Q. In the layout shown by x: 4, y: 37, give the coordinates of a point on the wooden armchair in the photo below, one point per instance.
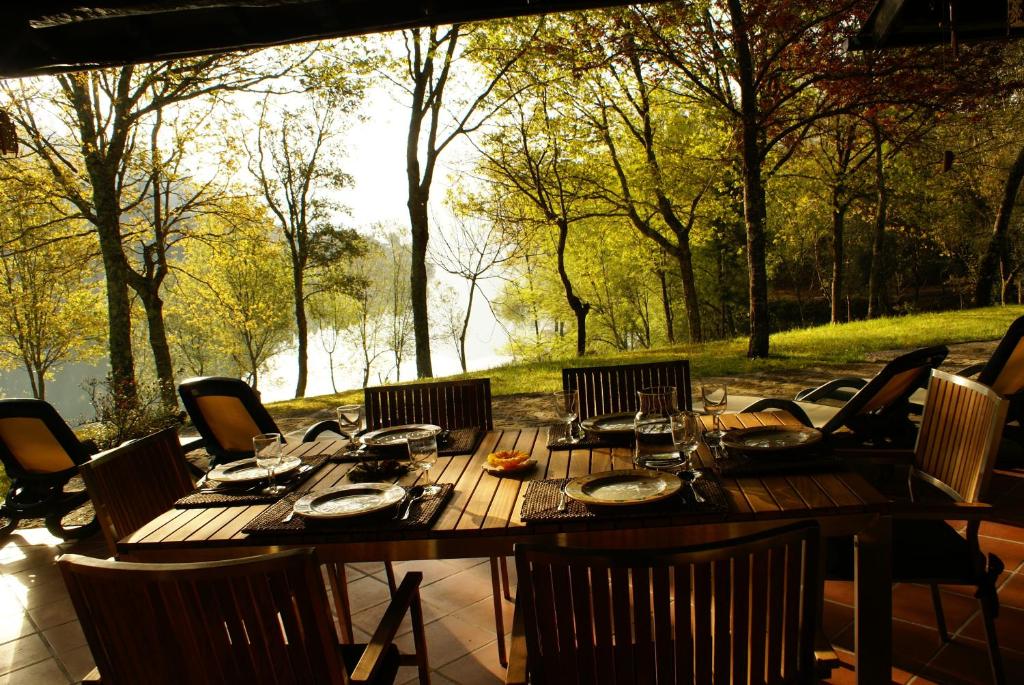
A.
x: 255, y: 620
x: 451, y: 405
x: 40, y: 454
x: 227, y: 414
x: 949, y: 471
x: 613, y: 389
x: 878, y: 412
x: 690, y: 615
x: 132, y: 484
x: 448, y: 404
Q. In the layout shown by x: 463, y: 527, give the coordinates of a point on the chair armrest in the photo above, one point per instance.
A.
x: 516, y: 673
x: 972, y: 370
x: 952, y: 511
x: 876, y: 456
x: 784, y: 405
x: 837, y: 389
x: 191, y: 444
x: 407, y: 595
x: 317, y: 429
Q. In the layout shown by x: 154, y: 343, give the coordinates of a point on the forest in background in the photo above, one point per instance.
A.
x: 681, y: 172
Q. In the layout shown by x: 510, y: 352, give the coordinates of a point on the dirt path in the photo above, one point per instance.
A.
x: 531, y: 409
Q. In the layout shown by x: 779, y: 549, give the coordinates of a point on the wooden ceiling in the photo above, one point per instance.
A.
x: 903, y: 23
x: 52, y: 36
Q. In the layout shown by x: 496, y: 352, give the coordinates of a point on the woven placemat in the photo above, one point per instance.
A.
x: 457, y: 443
x: 557, y: 434
x: 540, y: 504
x: 232, y: 498
x: 739, y: 465
x: 422, y: 515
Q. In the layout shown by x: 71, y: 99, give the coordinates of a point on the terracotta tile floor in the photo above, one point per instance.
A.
x: 42, y: 643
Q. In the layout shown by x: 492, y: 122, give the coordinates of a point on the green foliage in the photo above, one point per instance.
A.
x: 122, y: 416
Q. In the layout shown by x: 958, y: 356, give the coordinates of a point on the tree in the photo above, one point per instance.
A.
x: 430, y: 54
x: 993, y: 261
x: 296, y: 169
x: 94, y: 116
x: 52, y: 307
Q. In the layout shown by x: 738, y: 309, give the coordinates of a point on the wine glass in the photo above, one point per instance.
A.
x: 686, y: 436
x: 267, y: 448
x: 423, y: 455
x: 715, y: 397
x: 567, y: 409
x: 350, y: 418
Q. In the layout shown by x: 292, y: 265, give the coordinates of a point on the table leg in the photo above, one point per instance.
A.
x: 873, y: 611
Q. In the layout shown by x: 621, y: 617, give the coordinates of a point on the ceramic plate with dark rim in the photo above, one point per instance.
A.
x: 610, y: 424
x: 769, y: 439
x: 623, y: 488
x: 393, y: 436
x: 247, y: 470
x: 352, y: 499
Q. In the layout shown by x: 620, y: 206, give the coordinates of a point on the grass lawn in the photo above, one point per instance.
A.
x: 821, y: 345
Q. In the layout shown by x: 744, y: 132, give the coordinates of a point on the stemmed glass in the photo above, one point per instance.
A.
x: 267, y: 447
x: 567, y: 408
x: 686, y: 437
x: 350, y: 418
x: 423, y: 455
x: 715, y: 397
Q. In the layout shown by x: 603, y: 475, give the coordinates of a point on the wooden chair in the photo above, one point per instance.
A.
x: 451, y: 405
x: 949, y: 471
x: 707, y: 613
x: 1004, y: 371
x: 448, y: 404
x: 878, y: 412
x: 254, y: 620
x: 613, y: 389
x: 132, y: 484
x: 227, y: 414
x: 40, y: 454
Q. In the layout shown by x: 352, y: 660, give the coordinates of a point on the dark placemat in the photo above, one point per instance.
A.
x: 738, y: 465
x: 540, y: 504
x: 423, y: 514
x: 457, y: 443
x: 241, y: 497
x: 557, y: 433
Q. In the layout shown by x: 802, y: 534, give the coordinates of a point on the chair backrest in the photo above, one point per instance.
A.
x: 448, y: 404
x: 613, y: 389
x: 959, y: 438
x: 227, y: 413
x: 688, y: 615
x: 36, y: 441
x: 886, y: 396
x: 132, y: 484
x: 255, y: 620
x: 1004, y: 371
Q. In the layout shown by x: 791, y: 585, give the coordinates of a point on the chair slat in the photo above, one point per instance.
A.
x: 449, y: 404
x: 613, y: 389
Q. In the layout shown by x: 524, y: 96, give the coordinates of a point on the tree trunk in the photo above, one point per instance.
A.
x: 685, y: 260
x: 666, y: 303
x: 838, y: 258
x: 578, y: 306
x: 754, y: 207
x: 39, y: 390
x: 876, y: 271
x: 997, y: 244
x: 418, y: 280
x: 154, y: 308
x: 465, y: 326
x: 301, y: 328
x: 119, y: 317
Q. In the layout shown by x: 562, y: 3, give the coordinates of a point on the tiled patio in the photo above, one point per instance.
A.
x: 41, y: 642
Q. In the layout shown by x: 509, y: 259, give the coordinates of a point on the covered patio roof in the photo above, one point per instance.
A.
x: 52, y: 36
x: 905, y: 23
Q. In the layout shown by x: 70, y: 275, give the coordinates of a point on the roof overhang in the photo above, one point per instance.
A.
x: 906, y: 23
x: 52, y: 36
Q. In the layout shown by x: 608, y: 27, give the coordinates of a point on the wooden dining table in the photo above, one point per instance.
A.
x: 482, y: 519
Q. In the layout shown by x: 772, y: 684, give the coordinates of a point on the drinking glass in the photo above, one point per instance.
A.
x: 567, y: 408
x: 715, y: 397
x: 686, y: 436
x: 423, y: 455
x: 267, y: 448
x: 350, y: 418
x: 652, y: 429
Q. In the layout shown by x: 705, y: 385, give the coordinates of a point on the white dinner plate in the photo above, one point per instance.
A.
x: 247, y: 470
x: 392, y: 436
x: 623, y: 488
x: 352, y: 499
